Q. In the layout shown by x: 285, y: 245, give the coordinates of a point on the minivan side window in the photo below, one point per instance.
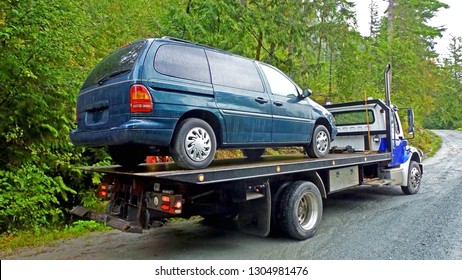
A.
x: 279, y: 83
x: 234, y: 71
x: 182, y: 62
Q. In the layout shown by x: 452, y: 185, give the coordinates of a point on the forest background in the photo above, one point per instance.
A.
x: 48, y: 47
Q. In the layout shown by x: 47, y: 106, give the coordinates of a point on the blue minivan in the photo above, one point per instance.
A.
x: 172, y: 97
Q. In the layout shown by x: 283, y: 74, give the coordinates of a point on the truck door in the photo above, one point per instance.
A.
x: 292, y: 116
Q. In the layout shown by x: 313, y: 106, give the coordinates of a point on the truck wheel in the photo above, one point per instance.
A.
x: 253, y: 154
x: 300, y: 210
x: 320, y: 143
x: 413, y: 179
x: 194, y: 144
x: 128, y: 155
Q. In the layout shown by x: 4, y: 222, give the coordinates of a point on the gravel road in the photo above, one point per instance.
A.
x: 361, y: 224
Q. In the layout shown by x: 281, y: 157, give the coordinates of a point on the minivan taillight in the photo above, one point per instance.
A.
x: 140, y: 99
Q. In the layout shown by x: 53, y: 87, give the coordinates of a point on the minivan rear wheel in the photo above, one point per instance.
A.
x: 128, y: 155
x: 194, y: 144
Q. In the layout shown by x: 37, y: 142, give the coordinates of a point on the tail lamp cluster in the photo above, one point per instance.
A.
x: 165, y: 201
x: 169, y: 203
x: 105, y: 191
x: 140, y: 99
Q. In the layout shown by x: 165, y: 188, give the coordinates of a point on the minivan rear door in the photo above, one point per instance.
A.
x: 241, y: 98
x: 103, y: 101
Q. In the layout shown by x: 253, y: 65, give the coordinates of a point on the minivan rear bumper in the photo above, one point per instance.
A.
x: 132, y: 132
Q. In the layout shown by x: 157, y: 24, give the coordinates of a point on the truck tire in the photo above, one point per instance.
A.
x: 128, y: 155
x: 300, y: 210
x: 194, y: 144
x: 413, y: 179
x: 276, y: 195
x: 253, y: 154
x: 320, y: 143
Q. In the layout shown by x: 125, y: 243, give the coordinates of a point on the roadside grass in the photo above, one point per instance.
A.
x: 12, y: 243
x: 427, y: 141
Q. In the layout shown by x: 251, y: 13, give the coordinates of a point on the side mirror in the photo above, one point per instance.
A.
x: 306, y: 93
x: 410, y: 120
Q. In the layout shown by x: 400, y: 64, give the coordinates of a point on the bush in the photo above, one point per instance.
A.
x: 30, y: 199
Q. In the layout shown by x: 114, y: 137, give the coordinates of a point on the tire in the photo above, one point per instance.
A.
x: 320, y: 143
x: 276, y: 195
x: 300, y: 210
x: 253, y: 154
x: 128, y: 155
x: 194, y: 144
x: 413, y: 179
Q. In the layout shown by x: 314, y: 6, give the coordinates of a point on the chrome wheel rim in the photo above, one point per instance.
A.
x: 415, y: 178
x: 322, y: 142
x: 198, y: 144
x: 307, y: 211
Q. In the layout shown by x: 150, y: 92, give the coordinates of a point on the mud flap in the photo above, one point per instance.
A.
x: 255, y: 214
x: 112, y: 221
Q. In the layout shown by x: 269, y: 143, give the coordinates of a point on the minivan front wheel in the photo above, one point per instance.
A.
x: 194, y: 144
x: 320, y: 143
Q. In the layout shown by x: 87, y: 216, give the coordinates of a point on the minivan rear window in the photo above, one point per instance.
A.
x: 182, y: 62
x: 120, y: 61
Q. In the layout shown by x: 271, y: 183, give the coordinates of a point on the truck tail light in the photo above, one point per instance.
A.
x: 166, y: 201
x: 105, y: 191
x: 140, y: 99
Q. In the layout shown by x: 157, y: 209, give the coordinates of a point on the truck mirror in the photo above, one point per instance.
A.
x: 410, y: 120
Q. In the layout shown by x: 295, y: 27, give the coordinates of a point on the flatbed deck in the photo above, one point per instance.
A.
x: 225, y: 170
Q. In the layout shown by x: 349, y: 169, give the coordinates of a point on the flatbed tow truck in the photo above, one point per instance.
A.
x: 274, y: 193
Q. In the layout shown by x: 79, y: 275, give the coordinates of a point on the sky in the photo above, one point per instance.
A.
x: 450, y: 18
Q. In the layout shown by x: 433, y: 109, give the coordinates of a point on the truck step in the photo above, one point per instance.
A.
x: 377, y: 182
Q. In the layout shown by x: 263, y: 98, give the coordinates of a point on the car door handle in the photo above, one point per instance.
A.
x: 277, y: 103
x: 261, y: 100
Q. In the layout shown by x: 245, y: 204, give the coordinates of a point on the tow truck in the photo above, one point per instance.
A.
x: 275, y: 193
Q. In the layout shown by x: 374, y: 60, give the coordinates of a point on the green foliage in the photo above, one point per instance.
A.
x: 82, y: 227
x: 426, y: 141
x: 30, y: 199
x: 40, y: 72
x: 448, y: 102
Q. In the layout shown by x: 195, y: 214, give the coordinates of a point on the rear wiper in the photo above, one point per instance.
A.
x: 112, y: 75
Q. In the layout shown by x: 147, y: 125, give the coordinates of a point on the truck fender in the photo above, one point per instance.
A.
x: 314, y: 178
x: 309, y: 176
x: 415, y: 156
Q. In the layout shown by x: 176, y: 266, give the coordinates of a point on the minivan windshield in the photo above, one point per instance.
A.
x: 120, y: 61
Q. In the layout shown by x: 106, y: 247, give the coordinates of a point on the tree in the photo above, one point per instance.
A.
x: 374, y: 23
x: 36, y: 109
